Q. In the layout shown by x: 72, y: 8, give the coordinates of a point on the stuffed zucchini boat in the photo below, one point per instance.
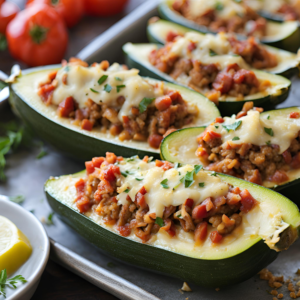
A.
x: 83, y: 110
x: 229, y: 16
x: 261, y: 148
x: 225, y: 79
x: 256, y: 55
x: 208, y: 228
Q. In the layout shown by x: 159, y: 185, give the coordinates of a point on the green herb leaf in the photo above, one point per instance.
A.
x: 268, y: 143
x: 32, y: 211
x: 2, y: 85
x: 268, y: 117
x: 102, y: 79
x: 219, y: 6
x: 177, y: 165
x: 213, y: 173
x: 236, y: 138
x: 124, y: 174
x: 212, y: 53
x: 127, y: 190
x: 198, y: 168
x: 129, y: 173
x: 17, y: 199
x: 144, y: 104
x: 49, y: 221
x: 164, y: 184
x: 3, y: 42
x: 233, y: 126
x: 42, y: 153
x: 94, y: 91
x: 107, y: 88
x: 139, y: 179
x: 119, y: 87
x: 176, y: 186
x: 217, y: 127
x: 132, y: 158
x: 201, y: 184
x: 269, y: 131
x: 188, y: 179
x: 11, y: 283
x: 118, y: 79
x: 160, y: 221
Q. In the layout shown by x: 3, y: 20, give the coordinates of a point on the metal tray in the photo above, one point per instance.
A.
x: 27, y: 176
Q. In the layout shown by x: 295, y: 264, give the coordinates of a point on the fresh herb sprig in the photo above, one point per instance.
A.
x: 11, y: 283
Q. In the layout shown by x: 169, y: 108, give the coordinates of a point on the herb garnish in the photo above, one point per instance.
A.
x: 177, y: 165
x: 3, y: 42
x: 233, y: 126
x: 132, y: 158
x: 119, y: 87
x: 164, y: 184
x: 201, y: 184
x: 17, y: 199
x: 50, y: 219
x: 102, y: 79
x: 107, y: 88
x: 188, y: 179
x: 268, y: 117
x: 217, y: 127
x: 269, y: 131
x: 212, y: 53
x: 127, y: 190
x: 213, y: 173
x: 176, y: 186
x: 219, y: 6
x: 42, y: 152
x: 197, y: 168
x: 236, y: 138
x: 144, y: 104
x: 268, y: 143
x: 11, y: 283
x: 128, y: 172
x: 139, y: 179
x: 159, y: 221
x: 118, y: 78
x: 123, y: 174
x: 94, y: 91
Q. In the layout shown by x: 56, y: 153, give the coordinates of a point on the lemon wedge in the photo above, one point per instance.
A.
x: 15, y: 248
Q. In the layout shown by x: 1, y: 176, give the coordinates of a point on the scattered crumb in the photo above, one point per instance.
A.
x: 274, y: 298
x: 291, y: 287
x: 280, y: 296
x: 274, y: 293
x: 186, y: 298
x: 180, y: 291
x: 217, y: 289
x: 277, y: 285
x: 293, y: 295
x: 298, y: 283
x: 186, y: 288
x: 298, y: 294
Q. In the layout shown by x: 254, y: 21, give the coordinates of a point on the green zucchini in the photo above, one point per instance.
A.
x: 281, y: 35
x: 181, y: 145
x: 238, y: 262
x: 137, y: 57
x: 71, y: 139
x: 288, y: 65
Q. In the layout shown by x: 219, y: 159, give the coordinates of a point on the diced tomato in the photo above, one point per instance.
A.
x: 111, y: 157
x: 66, y: 107
x: 295, y: 164
x: 216, y: 237
x: 201, y: 152
x: 124, y: 230
x: 208, y: 204
x: 210, y: 135
x: 245, y: 76
x: 171, y: 231
x: 287, y: 156
x: 247, y: 201
x: 45, y: 92
x: 145, y: 159
x: 83, y: 204
x: 219, y: 120
x: 163, y: 102
x: 125, y: 119
x: 140, y: 198
x: 279, y: 176
x: 89, y: 167
x: 191, y: 46
x: 169, y: 227
x: 97, y: 161
x: 52, y: 75
x: 167, y: 166
x: 294, y: 115
x: 233, y: 66
x: 143, y: 191
x: 110, y: 173
x: 80, y: 185
x: 189, y: 202
x: 223, y: 82
x: 87, y: 125
x: 175, y: 96
x: 159, y: 163
x: 199, y: 212
x: 200, y: 232
x: 235, y: 190
x: 171, y: 35
x: 154, y: 140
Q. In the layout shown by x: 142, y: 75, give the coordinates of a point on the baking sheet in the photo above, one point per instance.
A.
x: 26, y: 176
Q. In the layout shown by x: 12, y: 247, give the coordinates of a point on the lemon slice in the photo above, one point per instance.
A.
x: 15, y: 248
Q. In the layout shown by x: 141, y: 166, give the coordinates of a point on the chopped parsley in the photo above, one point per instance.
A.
x: 219, y: 6
x: 94, y: 91
x: 127, y: 190
x: 201, y: 184
x: 128, y: 172
x: 11, y: 283
x: 17, y: 199
x: 102, y: 79
x: 159, y: 221
x: 236, y: 138
x: 188, y: 179
x: 179, y: 216
x: 217, y: 127
x: 50, y: 219
x: 269, y: 131
x: 213, y: 173
x: 118, y: 78
x: 107, y: 88
x: 144, y: 104
x: 268, y: 143
x: 177, y: 165
x: 42, y: 153
x: 232, y: 126
x: 132, y: 158
x: 164, y: 183
x: 268, y: 117
x: 176, y: 186
x: 119, y: 87
x: 197, y: 168
x: 212, y: 53
x: 123, y: 174
x: 139, y: 179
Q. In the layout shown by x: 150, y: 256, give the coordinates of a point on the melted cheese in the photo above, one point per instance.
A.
x: 252, y: 130
x: 230, y: 8
x: 267, y: 5
x: 157, y: 196
x: 80, y: 81
x: 204, y: 44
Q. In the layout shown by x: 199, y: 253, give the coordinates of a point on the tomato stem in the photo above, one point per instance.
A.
x: 54, y: 2
x: 38, y: 33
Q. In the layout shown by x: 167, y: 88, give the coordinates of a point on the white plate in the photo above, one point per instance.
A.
x: 33, y: 269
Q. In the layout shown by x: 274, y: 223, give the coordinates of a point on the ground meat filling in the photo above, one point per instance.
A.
x: 247, y: 161
x: 98, y: 192
x: 250, y: 23
x: 169, y: 113
x: 290, y: 12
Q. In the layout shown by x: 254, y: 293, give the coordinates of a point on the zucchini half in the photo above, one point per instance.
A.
x: 137, y: 57
x: 237, y: 262
x: 288, y: 66
x: 71, y: 139
x: 181, y: 145
x: 281, y: 35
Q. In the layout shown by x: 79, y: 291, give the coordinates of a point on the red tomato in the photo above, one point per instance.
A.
x: 8, y: 11
x: 71, y: 11
x: 104, y: 8
x: 37, y: 36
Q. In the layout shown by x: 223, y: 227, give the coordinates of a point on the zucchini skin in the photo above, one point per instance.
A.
x: 67, y: 141
x: 290, y: 43
x: 226, y: 108
x: 207, y: 273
